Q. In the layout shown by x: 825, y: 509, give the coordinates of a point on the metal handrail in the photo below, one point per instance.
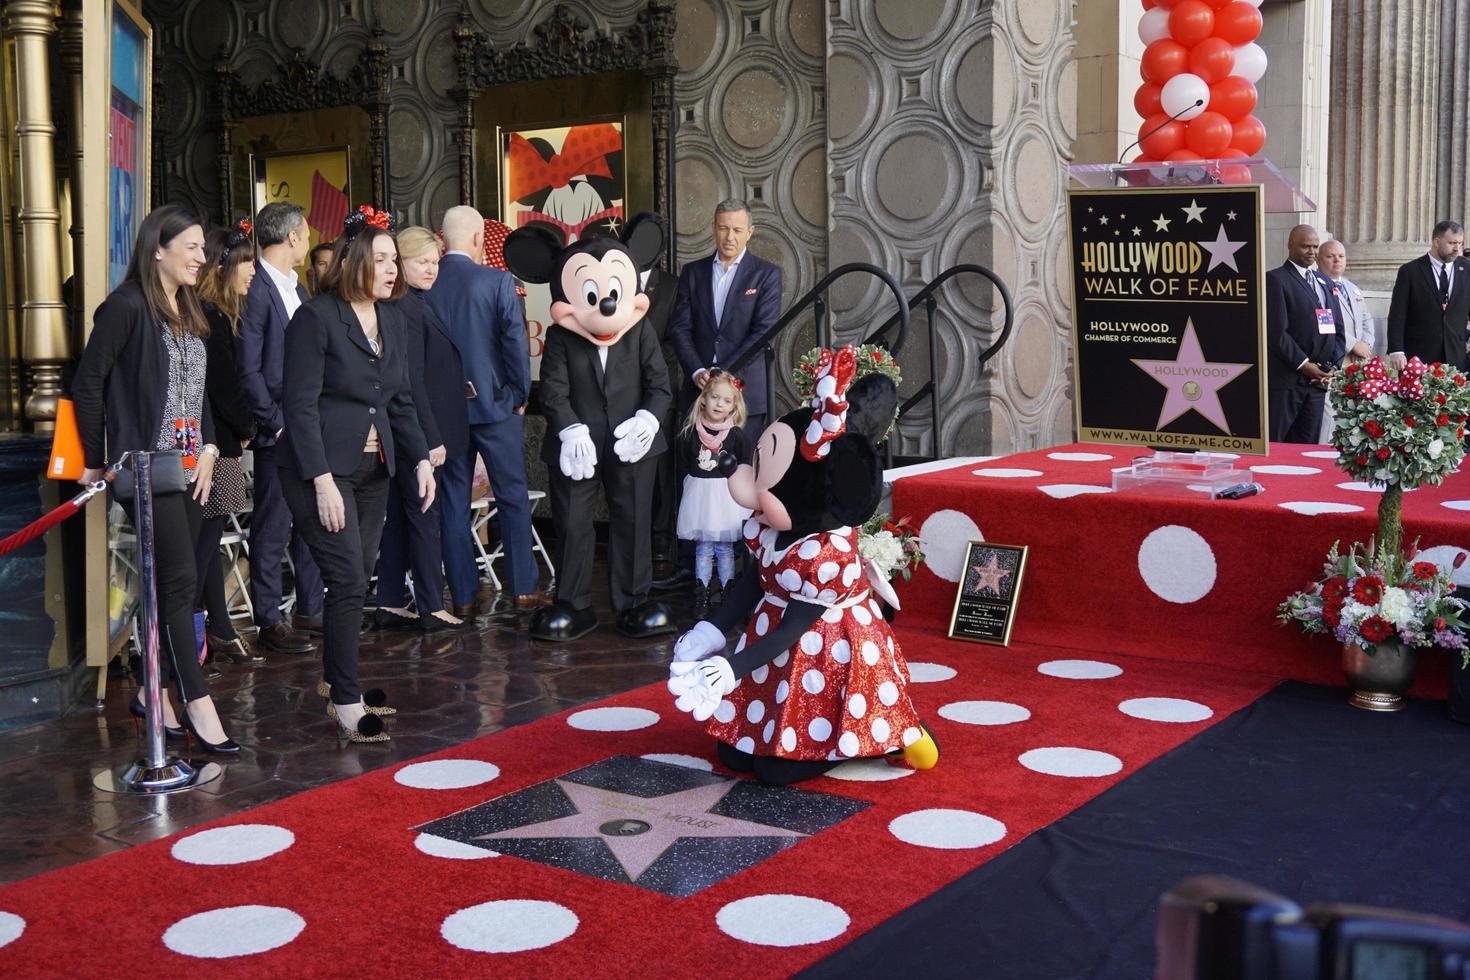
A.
x: 816, y: 298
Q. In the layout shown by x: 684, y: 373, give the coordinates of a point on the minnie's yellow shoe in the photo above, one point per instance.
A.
x: 922, y: 753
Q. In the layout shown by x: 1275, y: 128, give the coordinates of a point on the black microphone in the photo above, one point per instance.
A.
x: 1174, y: 118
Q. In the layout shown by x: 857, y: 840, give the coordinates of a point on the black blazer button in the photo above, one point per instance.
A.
x: 372, y: 411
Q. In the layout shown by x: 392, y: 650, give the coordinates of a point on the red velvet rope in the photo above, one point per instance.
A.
x: 46, y: 522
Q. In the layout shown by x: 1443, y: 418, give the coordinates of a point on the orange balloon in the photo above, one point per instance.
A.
x: 1146, y: 100
x: 1207, y: 134
x: 1159, y: 135
x: 1248, y: 135
x: 1166, y: 4
x: 1212, y: 59
x: 1217, y: 4
x: 1149, y: 4
x: 1235, y: 174
x: 1238, y: 23
x: 1232, y: 97
x: 1191, y: 21
x: 1231, y: 153
x: 1144, y: 159
x: 1180, y: 155
x: 1164, y: 59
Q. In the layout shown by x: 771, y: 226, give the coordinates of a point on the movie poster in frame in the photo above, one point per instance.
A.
x: 127, y: 182
x: 570, y: 174
x: 317, y: 180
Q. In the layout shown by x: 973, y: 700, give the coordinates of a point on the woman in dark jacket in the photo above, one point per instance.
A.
x: 228, y: 269
x: 411, y: 537
x: 349, y: 419
x: 140, y: 388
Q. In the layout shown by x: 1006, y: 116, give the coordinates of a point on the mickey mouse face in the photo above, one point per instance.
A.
x: 602, y: 297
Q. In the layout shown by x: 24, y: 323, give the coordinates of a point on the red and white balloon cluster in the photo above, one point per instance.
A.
x: 1200, y: 66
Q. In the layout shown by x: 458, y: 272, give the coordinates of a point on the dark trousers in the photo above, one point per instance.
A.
x: 270, y: 532
x: 629, y: 492
x: 1296, y: 413
x: 176, y: 519
x: 345, y: 559
x: 410, y: 541
x: 210, y: 574
x: 502, y: 445
x: 666, y: 496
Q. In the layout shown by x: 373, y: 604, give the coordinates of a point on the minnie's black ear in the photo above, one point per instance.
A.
x: 854, y: 479
x: 872, y: 404
x: 533, y: 251
x: 644, y: 238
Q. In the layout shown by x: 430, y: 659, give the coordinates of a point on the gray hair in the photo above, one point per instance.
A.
x: 731, y: 204
x: 277, y: 220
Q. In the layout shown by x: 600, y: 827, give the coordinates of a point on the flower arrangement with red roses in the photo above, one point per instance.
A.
x: 1368, y: 598
x: 892, y: 545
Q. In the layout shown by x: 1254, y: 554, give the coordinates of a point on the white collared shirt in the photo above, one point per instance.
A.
x: 455, y: 251
x: 285, y: 286
x: 721, y: 282
x: 1435, y: 264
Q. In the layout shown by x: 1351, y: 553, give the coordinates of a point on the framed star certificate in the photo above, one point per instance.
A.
x: 1169, y: 316
x: 990, y: 585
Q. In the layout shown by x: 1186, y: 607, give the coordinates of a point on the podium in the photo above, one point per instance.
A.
x: 1279, y: 192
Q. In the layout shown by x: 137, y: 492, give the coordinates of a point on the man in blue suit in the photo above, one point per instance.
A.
x: 479, y: 308
x: 724, y: 305
x: 283, y: 239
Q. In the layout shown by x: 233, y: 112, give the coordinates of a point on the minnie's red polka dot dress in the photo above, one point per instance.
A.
x: 842, y: 691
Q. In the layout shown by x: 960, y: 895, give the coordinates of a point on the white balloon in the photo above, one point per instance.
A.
x: 1153, y: 25
x: 1250, y: 62
x: 1185, y: 95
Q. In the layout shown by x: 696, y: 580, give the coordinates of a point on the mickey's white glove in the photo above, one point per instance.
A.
x: 701, y: 641
x: 578, y: 454
x: 635, y: 436
x: 699, y: 687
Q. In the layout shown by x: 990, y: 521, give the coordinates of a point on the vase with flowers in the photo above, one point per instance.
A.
x: 1383, y: 606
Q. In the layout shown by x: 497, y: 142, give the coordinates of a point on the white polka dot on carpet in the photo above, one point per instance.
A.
x: 1282, y: 470
x: 1063, y: 491
x: 237, y: 844
x: 443, y: 847
x: 1080, y: 457
x: 922, y: 673
x: 612, y: 719
x: 1178, y: 710
x: 949, y: 830
x: 446, y: 774
x: 675, y: 759
x: 984, y: 712
x: 11, y: 927
x: 1079, y: 670
x: 944, y: 537
x: 782, y: 920
x: 1321, y: 453
x: 1177, y: 564
x: 1455, y: 504
x: 239, y: 930
x: 1007, y: 473
x: 1312, y: 508
x: 868, y: 771
x: 509, y: 926
x: 1070, y: 761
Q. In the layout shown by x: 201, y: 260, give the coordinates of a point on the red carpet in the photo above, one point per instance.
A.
x: 340, y: 889
x: 1182, y: 578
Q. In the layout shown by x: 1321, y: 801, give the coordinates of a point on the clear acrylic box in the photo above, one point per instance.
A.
x: 1174, y: 474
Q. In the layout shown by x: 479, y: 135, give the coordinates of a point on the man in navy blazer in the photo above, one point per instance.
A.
x: 479, y: 308
x: 724, y: 305
x: 1304, y: 340
x: 283, y: 240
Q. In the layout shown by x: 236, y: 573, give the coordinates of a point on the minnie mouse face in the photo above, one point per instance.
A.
x: 595, y: 290
x: 754, y: 486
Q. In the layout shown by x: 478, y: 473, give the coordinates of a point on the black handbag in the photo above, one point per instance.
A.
x: 169, y: 476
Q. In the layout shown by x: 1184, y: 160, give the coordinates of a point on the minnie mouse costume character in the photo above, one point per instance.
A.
x: 604, y: 388
x: 817, y: 677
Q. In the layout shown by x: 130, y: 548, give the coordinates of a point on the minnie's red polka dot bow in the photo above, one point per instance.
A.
x: 835, y: 371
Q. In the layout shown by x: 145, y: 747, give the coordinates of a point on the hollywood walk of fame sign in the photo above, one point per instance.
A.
x: 667, y: 828
x: 985, y: 604
x: 1169, y: 335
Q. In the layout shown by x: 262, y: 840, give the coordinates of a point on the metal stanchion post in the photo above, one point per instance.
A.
x: 156, y: 773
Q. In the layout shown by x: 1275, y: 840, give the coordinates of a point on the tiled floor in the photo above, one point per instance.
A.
x: 449, y: 688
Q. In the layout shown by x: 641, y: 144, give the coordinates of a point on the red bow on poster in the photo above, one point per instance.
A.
x: 584, y: 151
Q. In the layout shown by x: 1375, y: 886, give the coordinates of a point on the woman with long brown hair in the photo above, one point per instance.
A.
x: 140, y: 388
x: 229, y: 266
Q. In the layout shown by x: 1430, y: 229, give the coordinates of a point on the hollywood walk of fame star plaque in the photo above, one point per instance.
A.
x: 1169, y: 312
x: 985, y: 603
x: 667, y: 828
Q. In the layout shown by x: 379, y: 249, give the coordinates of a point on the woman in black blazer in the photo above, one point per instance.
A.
x: 140, y: 388
x: 229, y: 267
x: 410, y: 536
x: 349, y: 417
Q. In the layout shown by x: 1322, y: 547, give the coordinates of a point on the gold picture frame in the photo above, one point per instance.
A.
x: 988, y: 592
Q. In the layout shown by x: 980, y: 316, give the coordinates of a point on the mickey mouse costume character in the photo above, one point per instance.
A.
x: 817, y: 677
x: 604, y: 389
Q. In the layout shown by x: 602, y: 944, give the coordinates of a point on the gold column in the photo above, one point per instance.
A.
x: 72, y: 49
x: 44, y: 343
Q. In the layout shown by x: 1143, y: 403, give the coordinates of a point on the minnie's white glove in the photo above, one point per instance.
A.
x: 635, y: 436
x: 701, y: 641
x: 578, y: 454
x: 699, y: 687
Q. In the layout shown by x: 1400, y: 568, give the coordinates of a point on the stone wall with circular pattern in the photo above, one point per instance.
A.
x: 948, y: 133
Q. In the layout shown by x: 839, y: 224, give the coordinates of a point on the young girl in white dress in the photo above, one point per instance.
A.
x: 708, y: 515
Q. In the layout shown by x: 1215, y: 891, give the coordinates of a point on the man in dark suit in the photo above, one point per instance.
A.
x: 479, y: 308
x: 661, y: 289
x: 1431, y: 302
x: 283, y: 240
x: 725, y: 304
x: 1305, y: 339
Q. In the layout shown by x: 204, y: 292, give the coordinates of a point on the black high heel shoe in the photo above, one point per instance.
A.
x: 228, y: 747
x: 140, y: 714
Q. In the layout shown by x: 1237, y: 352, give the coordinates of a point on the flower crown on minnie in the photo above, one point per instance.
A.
x: 366, y: 216
x: 239, y: 235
